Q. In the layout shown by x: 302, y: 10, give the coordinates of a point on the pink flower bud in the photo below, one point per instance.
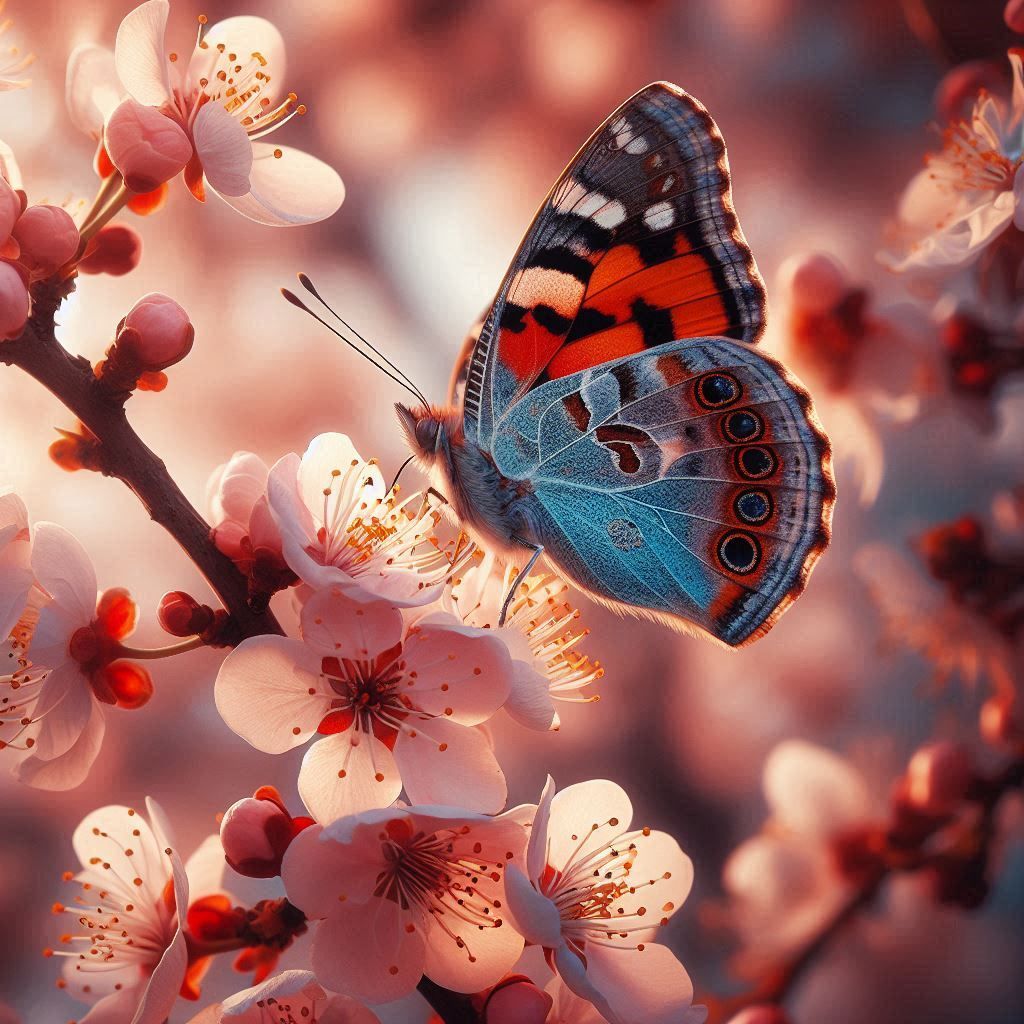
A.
x: 116, y: 249
x: 816, y: 282
x: 10, y: 209
x: 13, y: 302
x: 1000, y: 722
x: 146, y: 146
x: 938, y: 777
x: 257, y: 831
x: 760, y: 1015
x: 180, y: 614
x: 48, y: 239
x: 156, y: 333
x: 518, y: 1002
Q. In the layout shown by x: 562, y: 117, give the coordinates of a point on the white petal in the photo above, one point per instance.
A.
x: 445, y: 761
x: 529, y: 700
x: 577, y: 809
x: 335, y: 623
x: 140, y: 55
x: 242, y: 35
x: 648, y: 985
x: 531, y: 913
x: 71, y: 768
x: 91, y: 88
x: 537, y: 850
x: 15, y: 561
x: 262, y: 693
x: 206, y: 869
x: 116, y: 1008
x: 370, y: 776
x: 326, y: 455
x: 64, y: 570
x: 301, y: 988
x: 65, y: 706
x: 224, y: 150
x: 292, y: 189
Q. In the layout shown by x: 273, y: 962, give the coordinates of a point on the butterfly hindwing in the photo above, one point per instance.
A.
x: 691, y: 481
x: 636, y: 246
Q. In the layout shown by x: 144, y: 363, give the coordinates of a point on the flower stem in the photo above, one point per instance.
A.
x: 152, y: 653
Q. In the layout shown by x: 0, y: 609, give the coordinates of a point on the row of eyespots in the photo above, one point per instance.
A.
x: 739, y: 552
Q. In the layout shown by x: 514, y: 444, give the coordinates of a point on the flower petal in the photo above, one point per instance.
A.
x: 64, y: 570
x: 243, y: 35
x: 139, y: 53
x: 648, y: 985
x: 529, y: 700
x: 598, y: 809
x: 116, y: 1008
x: 350, y: 626
x: 263, y: 693
x: 70, y: 769
x: 294, y: 188
x: 531, y: 913
x: 443, y: 759
x: 461, y: 672
x: 537, y: 848
x: 91, y: 88
x: 365, y: 950
x: 65, y: 706
x: 348, y: 773
x: 15, y: 561
x: 224, y: 150
x: 301, y: 987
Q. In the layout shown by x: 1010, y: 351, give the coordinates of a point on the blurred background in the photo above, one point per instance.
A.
x: 449, y: 120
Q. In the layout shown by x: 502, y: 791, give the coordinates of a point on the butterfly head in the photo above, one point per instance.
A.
x: 427, y: 429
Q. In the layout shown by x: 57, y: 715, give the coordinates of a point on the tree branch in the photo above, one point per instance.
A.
x: 451, y: 1007
x: 70, y: 378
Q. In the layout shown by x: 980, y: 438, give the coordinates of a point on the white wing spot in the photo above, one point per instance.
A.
x: 637, y: 146
x: 660, y: 216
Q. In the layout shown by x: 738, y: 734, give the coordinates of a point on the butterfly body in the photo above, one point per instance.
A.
x: 615, y: 410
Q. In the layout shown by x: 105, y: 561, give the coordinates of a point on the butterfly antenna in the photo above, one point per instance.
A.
x: 296, y: 301
x: 311, y: 288
x: 401, y: 470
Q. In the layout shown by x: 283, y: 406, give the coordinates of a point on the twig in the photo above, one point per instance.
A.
x: 70, y: 378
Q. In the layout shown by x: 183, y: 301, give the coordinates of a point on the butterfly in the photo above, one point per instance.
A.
x: 613, y: 412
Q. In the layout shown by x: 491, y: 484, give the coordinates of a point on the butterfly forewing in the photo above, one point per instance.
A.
x: 637, y: 245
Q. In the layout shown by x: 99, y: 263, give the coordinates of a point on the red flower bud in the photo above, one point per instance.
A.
x: 48, y: 239
x: 517, y: 1001
x: 116, y: 249
x: 1001, y: 722
x: 938, y: 777
x: 180, y: 614
x: 146, y: 146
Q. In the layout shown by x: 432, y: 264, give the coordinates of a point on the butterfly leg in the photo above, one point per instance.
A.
x: 538, y: 550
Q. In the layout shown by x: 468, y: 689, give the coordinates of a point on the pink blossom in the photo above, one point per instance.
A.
x: 76, y: 638
x: 237, y: 497
x: 340, y: 526
x: 938, y: 777
x: 403, y: 892
x: 145, y: 146
x: 126, y: 952
x: 92, y: 89
x: 47, y: 237
x: 225, y: 98
x: 295, y: 993
x: 541, y: 634
x: 256, y: 833
x: 393, y: 706
x: 785, y: 882
x: 581, y: 897
x: 569, y: 1008
x: 969, y: 193
x: 518, y: 1002
x: 115, y: 249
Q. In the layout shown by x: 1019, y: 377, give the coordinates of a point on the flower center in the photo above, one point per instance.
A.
x: 19, y: 687
x: 368, y: 695
x: 426, y: 872
x: 970, y: 161
x: 239, y: 82
x: 594, y: 890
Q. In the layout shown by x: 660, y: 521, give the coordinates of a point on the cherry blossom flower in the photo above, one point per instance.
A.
x: 402, y: 892
x: 125, y: 949
x: 569, y: 1008
x: 78, y: 639
x: 393, y: 705
x: 540, y: 632
x: 13, y: 62
x: 290, y: 996
x: 969, y: 192
x: 788, y: 880
x: 15, y: 561
x: 340, y: 526
x: 226, y: 97
x: 587, y: 888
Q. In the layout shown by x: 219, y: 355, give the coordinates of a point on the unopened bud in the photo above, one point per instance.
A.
x: 257, y: 831
x: 10, y: 209
x: 48, y: 239
x: 146, y: 146
x: 816, y: 282
x: 1013, y: 15
x: 13, y: 303
x: 180, y: 614
x: 115, y: 249
x: 939, y: 776
x: 517, y: 1001
x: 1000, y: 721
x: 155, y: 334
x: 129, y: 684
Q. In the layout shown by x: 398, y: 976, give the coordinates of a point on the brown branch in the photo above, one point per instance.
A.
x: 70, y: 379
x: 451, y: 1007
